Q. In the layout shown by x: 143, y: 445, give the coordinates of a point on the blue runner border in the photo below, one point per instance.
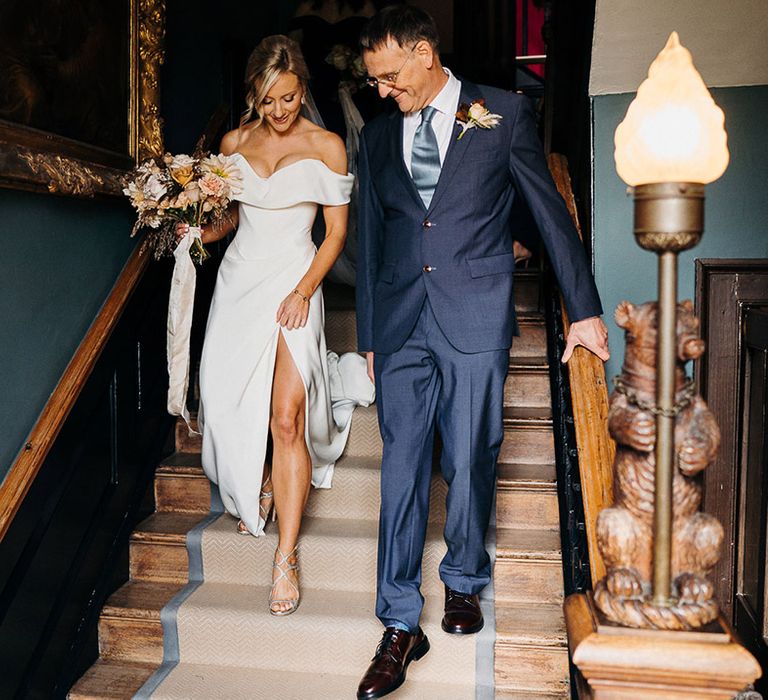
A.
x: 169, y: 613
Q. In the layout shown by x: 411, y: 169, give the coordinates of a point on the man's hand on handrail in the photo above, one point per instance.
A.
x: 592, y: 334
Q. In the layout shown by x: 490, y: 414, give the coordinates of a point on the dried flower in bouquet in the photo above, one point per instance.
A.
x: 195, y: 190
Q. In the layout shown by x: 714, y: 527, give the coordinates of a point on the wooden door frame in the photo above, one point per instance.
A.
x: 725, y: 289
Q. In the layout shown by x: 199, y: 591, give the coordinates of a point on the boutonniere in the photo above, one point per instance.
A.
x: 476, y: 114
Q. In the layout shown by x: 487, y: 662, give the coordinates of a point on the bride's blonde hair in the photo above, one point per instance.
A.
x: 273, y: 56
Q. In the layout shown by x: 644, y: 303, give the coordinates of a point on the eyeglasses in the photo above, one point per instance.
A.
x: 390, y: 79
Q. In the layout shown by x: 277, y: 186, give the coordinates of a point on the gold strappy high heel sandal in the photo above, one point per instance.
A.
x: 266, y: 506
x: 284, y: 566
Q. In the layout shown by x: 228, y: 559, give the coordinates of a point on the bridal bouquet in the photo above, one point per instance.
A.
x: 195, y: 190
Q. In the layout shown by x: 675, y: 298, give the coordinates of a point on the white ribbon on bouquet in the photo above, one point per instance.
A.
x: 180, y: 306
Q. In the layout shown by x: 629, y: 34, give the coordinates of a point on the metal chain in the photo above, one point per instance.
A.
x: 687, y: 394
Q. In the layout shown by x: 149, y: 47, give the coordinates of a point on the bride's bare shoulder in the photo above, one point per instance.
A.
x: 238, y: 138
x: 331, y: 149
x: 230, y: 141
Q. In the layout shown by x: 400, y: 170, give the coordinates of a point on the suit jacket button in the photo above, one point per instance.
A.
x: 427, y: 223
x: 428, y: 268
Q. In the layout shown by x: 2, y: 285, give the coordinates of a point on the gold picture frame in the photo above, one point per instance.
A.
x: 33, y: 159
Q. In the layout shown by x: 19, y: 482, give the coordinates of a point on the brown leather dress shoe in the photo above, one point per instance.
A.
x: 462, y: 613
x: 387, y: 670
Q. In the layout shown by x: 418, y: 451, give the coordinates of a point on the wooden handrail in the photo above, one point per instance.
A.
x: 589, y: 398
x: 41, y: 439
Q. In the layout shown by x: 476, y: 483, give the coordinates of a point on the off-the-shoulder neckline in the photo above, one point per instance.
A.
x: 285, y: 167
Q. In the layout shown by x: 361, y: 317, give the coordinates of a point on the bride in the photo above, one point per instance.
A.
x: 264, y: 367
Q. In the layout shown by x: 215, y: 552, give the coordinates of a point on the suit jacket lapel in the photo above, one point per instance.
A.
x: 456, y: 148
x: 396, y: 150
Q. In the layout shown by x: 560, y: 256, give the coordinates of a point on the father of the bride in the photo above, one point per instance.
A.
x: 435, y: 312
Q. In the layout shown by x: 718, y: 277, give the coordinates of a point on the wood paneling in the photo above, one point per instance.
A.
x: 92, y: 458
x: 27, y: 464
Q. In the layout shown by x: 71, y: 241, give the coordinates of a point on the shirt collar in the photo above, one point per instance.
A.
x: 447, y: 100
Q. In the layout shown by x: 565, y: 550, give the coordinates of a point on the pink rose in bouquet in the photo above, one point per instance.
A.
x: 193, y: 189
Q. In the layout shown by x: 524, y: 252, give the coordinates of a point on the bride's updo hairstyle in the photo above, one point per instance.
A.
x: 273, y: 56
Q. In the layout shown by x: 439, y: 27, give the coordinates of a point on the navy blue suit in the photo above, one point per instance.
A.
x: 435, y: 303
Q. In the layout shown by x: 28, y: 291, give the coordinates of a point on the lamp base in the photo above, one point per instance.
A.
x: 669, y: 216
x: 617, y: 663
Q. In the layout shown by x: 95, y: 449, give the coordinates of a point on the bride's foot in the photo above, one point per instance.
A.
x: 285, y: 596
x: 267, y: 501
x: 242, y: 529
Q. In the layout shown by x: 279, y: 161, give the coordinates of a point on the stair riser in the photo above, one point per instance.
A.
x: 364, y: 438
x: 131, y: 639
x: 161, y: 562
x: 542, y: 669
x: 192, y: 494
x: 526, y: 580
x: 529, y: 389
x: 340, y: 331
x: 187, y: 494
x: 327, y: 563
x: 262, y: 641
x: 527, y: 508
x: 527, y: 446
x: 532, y: 341
x: 365, y: 505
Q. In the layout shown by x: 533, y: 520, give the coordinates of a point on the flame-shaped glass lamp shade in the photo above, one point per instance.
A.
x: 673, y: 130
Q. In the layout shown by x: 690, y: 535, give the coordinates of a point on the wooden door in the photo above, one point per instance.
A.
x: 726, y: 290
x: 751, y: 591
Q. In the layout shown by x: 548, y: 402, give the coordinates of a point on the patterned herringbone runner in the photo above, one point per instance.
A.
x: 229, y: 646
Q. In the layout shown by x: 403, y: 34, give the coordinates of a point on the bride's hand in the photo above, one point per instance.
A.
x: 180, y: 231
x: 293, y: 311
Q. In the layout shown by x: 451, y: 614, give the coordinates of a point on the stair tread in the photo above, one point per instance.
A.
x: 178, y: 462
x: 539, y: 476
x: 167, y: 526
x: 528, y: 415
x: 528, y: 363
x: 530, y: 695
x: 110, y: 679
x: 189, y: 464
x: 140, y: 599
x: 541, y: 624
x: 244, y: 683
x: 524, y: 543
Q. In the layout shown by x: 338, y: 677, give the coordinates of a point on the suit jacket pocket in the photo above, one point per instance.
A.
x: 491, y: 265
x: 386, y: 273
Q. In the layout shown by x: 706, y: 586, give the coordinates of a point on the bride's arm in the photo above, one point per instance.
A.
x: 294, y: 310
x: 227, y: 223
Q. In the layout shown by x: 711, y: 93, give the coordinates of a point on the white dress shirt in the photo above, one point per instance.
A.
x: 446, y: 104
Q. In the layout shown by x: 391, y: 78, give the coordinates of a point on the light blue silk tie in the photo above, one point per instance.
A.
x: 425, y: 159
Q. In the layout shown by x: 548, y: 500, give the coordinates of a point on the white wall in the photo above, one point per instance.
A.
x: 728, y: 40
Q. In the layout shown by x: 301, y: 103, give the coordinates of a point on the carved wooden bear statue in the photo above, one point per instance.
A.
x: 625, y: 531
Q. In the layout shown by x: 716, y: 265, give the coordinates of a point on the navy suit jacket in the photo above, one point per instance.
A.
x: 458, y: 253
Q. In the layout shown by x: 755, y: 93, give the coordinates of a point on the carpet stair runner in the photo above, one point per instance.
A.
x: 217, y: 637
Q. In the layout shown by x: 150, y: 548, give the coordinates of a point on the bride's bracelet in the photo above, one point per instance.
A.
x: 303, y: 298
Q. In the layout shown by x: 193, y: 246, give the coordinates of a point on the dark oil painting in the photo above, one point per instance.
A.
x: 65, y: 68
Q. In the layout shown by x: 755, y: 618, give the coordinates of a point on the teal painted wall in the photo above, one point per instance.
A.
x: 59, y: 259
x: 736, y: 210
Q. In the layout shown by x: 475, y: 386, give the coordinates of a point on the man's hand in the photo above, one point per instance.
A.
x: 592, y: 334
x: 369, y: 361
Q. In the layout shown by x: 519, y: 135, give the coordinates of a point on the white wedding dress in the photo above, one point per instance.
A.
x: 269, y: 254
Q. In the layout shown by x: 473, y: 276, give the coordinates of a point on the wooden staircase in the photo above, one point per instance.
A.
x: 531, y: 658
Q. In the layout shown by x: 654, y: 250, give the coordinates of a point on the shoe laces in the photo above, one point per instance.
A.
x: 466, y: 598
x: 388, y: 645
